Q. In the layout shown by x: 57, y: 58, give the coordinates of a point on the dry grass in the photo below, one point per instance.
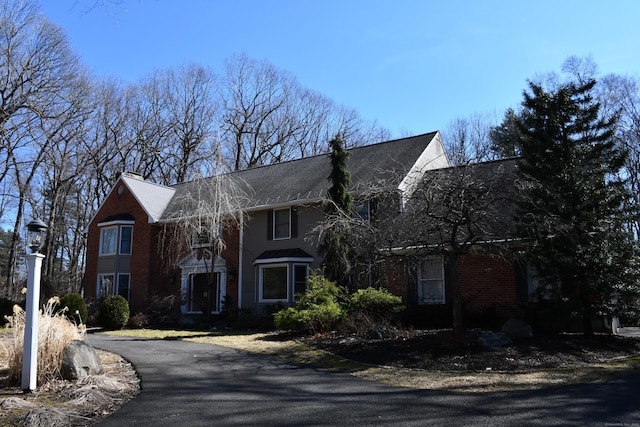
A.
x: 55, y: 332
x: 64, y: 403
x: 56, y: 402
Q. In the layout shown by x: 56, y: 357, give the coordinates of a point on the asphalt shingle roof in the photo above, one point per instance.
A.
x: 381, y: 165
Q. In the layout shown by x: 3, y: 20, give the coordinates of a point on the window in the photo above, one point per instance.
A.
x: 365, y: 210
x: 281, y: 224
x: 204, y: 237
x: 108, y: 238
x: 116, y: 238
x: 124, y: 285
x: 300, y: 273
x: 126, y: 232
x: 274, y: 282
x: 106, y: 285
x: 542, y: 287
x: 431, y: 281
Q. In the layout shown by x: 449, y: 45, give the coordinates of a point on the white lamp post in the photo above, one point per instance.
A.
x: 37, y: 230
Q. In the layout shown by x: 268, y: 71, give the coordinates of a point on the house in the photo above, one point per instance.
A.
x: 267, y: 258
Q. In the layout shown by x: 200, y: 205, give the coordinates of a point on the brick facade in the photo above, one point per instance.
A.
x: 485, y: 281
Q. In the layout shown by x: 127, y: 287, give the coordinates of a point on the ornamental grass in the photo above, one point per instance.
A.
x: 55, y: 332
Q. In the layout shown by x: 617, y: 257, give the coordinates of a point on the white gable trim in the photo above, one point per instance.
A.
x: 433, y: 157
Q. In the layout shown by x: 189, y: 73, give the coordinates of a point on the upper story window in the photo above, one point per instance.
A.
x: 108, y: 238
x: 116, y: 238
x: 126, y: 234
x: 205, y: 237
x: 282, y: 224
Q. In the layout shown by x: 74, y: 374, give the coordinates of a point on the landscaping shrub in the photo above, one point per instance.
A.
x: 317, y: 310
x: 139, y: 321
x: 379, y: 305
x: 6, y: 307
x: 114, y: 312
x: 55, y: 332
x: 75, y: 308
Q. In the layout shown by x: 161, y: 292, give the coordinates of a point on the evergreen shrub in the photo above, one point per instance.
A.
x: 317, y: 310
x: 378, y: 304
x: 114, y: 312
x: 76, y: 308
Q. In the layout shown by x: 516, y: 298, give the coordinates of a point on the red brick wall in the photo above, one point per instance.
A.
x: 144, y: 239
x: 395, y: 278
x: 486, y: 281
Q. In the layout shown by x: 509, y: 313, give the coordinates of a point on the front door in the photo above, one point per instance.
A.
x: 204, y: 293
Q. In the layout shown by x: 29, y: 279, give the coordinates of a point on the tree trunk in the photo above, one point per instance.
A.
x: 587, y: 311
x: 454, y: 286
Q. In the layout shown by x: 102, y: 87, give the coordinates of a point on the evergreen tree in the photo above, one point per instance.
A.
x: 333, y: 243
x: 504, y: 137
x: 572, y: 197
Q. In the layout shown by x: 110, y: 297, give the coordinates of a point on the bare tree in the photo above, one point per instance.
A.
x: 268, y: 117
x: 199, y: 218
x: 451, y: 212
x: 36, y: 68
x: 468, y: 140
x: 621, y: 95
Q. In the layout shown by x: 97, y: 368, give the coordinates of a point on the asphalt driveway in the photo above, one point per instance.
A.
x: 190, y: 384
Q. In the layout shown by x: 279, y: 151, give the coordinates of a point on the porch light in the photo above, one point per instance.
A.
x: 37, y: 230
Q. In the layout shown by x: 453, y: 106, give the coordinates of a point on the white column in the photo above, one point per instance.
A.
x: 32, y: 312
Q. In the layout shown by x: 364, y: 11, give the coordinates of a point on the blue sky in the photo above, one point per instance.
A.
x: 411, y: 65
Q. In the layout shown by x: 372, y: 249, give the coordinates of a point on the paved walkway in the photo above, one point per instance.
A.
x: 194, y: 384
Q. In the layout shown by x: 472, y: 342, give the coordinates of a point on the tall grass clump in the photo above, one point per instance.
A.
x: 55, y: 332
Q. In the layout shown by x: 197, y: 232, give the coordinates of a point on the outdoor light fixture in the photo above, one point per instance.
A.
x: 37, y: 230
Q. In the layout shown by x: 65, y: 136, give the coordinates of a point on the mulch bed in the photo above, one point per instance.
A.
x: 441, y: 350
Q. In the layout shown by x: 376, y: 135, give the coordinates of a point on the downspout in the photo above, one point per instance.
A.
x: 240, y: 266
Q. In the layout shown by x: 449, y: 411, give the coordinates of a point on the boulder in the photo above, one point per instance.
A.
x: 382, y: 332
x: 80, y: 360
x: 517, y: 329
x: 494, y: 339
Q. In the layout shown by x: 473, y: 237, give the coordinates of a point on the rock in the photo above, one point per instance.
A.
x: 517, y: 329
x: 383, y: 331
x: 80, y: 360
x: 494, y: 339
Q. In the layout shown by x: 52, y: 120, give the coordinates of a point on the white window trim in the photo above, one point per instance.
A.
x: 128, y: 297
x: 293, y: 278
x: 120, y: 239
x: 116, y: 242
x: 273, y: 225
x: 99, y: 284
x: 261, y: 283
x: 444, y: 286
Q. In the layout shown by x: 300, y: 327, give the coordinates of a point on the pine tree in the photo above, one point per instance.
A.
x: 333, y: 244
x: 572, y: 197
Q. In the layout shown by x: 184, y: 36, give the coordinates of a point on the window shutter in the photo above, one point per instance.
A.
x: 522, y: 286
x: 294, y: 222
x: 270, y: 225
